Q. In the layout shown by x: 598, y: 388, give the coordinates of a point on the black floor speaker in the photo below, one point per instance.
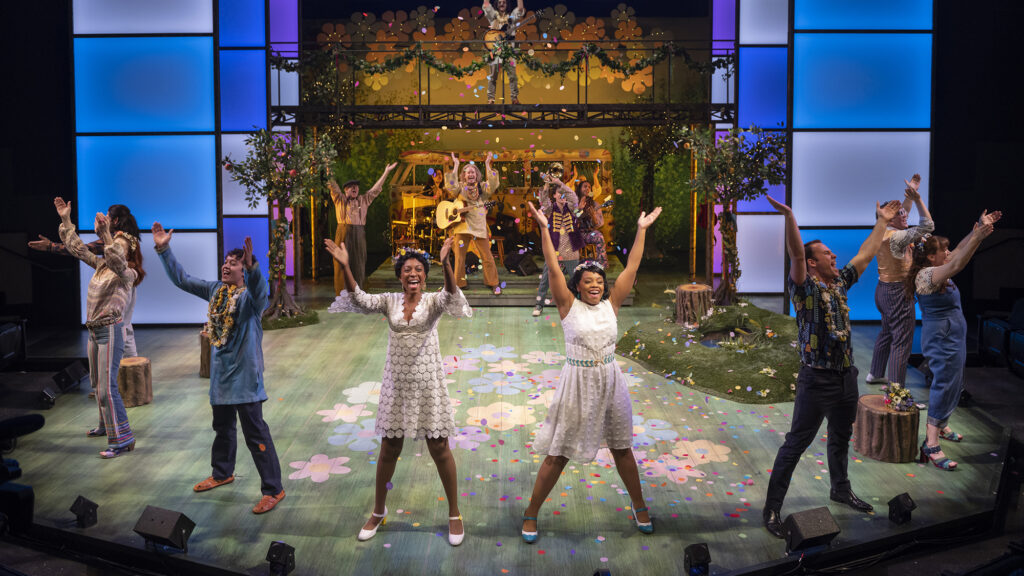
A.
x: 165, y: 527
x: 809, y: 528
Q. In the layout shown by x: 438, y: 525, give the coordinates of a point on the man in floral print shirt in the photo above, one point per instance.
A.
x: 827, y: 383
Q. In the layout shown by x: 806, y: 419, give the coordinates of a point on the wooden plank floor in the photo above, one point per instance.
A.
x: 705, y: 469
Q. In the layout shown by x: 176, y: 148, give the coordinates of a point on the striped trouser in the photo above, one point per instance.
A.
x: 597, y: 239
x: 892, y: 348
x: 106, y: 345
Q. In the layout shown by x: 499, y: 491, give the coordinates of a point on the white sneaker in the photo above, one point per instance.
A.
x: 456, y: 539
x: 536, y: 312
x: 365, y: 534
x: 872, y: 380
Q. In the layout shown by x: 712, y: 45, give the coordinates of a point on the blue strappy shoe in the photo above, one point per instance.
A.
x: 951, y: 435
x: 643, y: 527
x: 529, y: 537
x: 926, y: 455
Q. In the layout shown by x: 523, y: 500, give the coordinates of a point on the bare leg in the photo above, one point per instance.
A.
x: 390, y: 450
x: 932, y: 439
x: 547, y: 476
x: 625, y: 463
x: 445, y: 462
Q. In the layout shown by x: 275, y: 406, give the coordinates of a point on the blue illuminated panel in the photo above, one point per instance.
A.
x: 144, y: 84
x: 760, y: 242
x: 157, y: 300
x: 862, y: 15
x: 284, y: 88
x: 845, y: 244
x: 762, y: 87
x: 235, y: 231
x: 242, y: 23
x: 233, y: 193
x: 243, y: 90
x: 838, y: 176
x: 764, y: 22
x: 172, y: 179
x: 143, y: 17
x: 860, y: 81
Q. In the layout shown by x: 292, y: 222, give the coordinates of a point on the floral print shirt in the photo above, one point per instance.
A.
x: 823, y: 320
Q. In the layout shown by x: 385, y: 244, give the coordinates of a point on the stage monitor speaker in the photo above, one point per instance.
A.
x: 511, y: 262
x: 697, y: 560
x: 70, y: 376
x: 900, y: 508
x: 48, y: 397
x: 809, y: 528
x: 281, y: 557
x: 165, y: 527
x: 527, y: 267
x: 84, y: 511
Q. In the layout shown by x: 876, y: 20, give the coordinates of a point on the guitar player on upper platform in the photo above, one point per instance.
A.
x: 502, y: 19
x: 470, y: 187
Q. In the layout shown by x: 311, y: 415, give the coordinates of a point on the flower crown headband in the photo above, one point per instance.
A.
x: 411, y: 252
x: 919, y: 245
x: 587, y: 264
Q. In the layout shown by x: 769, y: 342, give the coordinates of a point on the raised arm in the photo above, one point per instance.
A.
x: 336, y: 194
x: 963, y: 253
x: 986, y: 218
x: 69, y: 237
x: 340, y: 253
x: 794, y: 243
x: 196, y: 286
x: 624, y: 283
x: 491, y: 177
x: 559, y: 289
x: 449, y: 274
x: 362, y: 302
x: 255, y: 285
x: 900, y: 239
x: 375, y: 190
x: 451, y: 179
x: 874, y: 240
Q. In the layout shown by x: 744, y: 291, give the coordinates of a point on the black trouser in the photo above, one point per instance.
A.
x: 257, y: 438
x: 820, y: 394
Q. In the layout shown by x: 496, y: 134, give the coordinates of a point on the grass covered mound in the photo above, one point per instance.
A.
x: 741, y: 353
x: 306, y: 319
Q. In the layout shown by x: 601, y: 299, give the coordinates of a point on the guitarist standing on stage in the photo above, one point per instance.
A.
x: 502, y: 19
x: 351, y: 209
x: 470, y: 187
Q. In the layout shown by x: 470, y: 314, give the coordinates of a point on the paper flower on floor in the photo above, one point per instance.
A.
x: 500, y: 384
x: 365, y: 393
x: 677, y: 470
x: 702, y: 451
x: 770, y: 372
x: 359, y: 437
x: 489, y: 352
x: 539, y: 357
x: 468, y: 437
x: 506, y: 366
x: 319, y: 468
x: 649, y: 432
x: 542, y: 398
x: 461, y: 363
x: 500, y: 416
x: 547, y: 378
x: 345, y: 413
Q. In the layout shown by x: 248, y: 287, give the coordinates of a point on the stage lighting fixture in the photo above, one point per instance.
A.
x: 697, y: 560
x: 71, y: 376
x: 84, y: 511
x: 165, y: 527
x: 281, y: 557
x: 900, y: 508
x: 49, y: 396
x: 809, y: 529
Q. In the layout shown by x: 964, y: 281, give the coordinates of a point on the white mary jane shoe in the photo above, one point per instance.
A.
x: 365, y: 534
x: 456, y: 539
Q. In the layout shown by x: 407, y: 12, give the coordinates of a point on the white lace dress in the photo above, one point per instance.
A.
x: 591, y: 402
x: 413, y: 398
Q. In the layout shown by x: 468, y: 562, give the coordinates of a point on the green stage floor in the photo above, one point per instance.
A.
x: 705, y: 464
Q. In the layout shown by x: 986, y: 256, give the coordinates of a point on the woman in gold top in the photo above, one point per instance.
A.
x: 473, y: 190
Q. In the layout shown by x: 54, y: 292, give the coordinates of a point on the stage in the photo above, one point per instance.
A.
x: 705, y: 465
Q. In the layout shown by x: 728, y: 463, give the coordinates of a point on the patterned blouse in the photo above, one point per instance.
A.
x: 111, y: 286
x: 823, y: 320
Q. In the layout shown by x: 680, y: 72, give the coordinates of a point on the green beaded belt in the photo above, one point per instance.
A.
x: 591, y: 363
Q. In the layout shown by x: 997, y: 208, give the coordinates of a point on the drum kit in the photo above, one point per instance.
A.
x: 416, y: 229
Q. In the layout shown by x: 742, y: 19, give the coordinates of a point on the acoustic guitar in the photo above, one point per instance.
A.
x: 492, y: 37
x: 449, y: 213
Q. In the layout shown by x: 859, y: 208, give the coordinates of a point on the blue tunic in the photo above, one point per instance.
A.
x: 236, y: 368
x: 944, y: 344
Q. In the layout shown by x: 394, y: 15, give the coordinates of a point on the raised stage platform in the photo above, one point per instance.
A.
x: 516, y: 291
x: 705, y: 465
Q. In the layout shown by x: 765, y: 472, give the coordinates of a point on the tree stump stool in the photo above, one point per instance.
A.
x: 135, y: 381
x: 204, y: 355
x: 883, y: 434
x: 692, y: 303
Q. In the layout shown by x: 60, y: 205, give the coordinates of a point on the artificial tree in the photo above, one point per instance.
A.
x: 286, y: 172
x: 732, y: 166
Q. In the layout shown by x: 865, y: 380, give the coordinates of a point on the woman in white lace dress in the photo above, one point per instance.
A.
x: 414, y: 400
x: 591, y: 403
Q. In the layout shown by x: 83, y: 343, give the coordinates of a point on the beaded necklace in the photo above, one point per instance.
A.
x: 223, y: 310
x: 827, y: 294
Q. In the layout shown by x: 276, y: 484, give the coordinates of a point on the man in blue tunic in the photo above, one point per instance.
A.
x: 237, y: 303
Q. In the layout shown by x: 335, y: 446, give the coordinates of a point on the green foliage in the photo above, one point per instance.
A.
x: 278, y: 323
x: 626, y: 176
x: 672, y: 193
x: 758, y: 355
x: 738, y: 165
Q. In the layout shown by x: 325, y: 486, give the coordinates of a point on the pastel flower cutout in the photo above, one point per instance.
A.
x: 319, y: 468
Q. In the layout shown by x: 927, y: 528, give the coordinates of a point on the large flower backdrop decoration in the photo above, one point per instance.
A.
x: 331, y: 32
x: 422, y: 17
x: 623, y: 13
x: 557, y: 21
x: 500, y: 416
x: 398, y: 23
x: 363, y: 27
x: 319, y: 468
